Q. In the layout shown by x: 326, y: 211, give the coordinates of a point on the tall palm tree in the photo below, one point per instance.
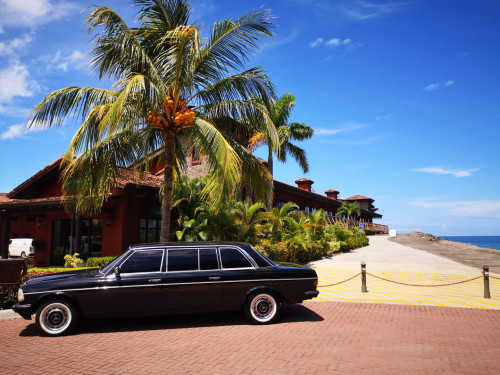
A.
x: 279, y: 111
x: 170, y: 81
x: 348, y: 209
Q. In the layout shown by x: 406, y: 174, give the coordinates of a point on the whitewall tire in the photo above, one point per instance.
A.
x: 262, y: 308
x: 57, y: 317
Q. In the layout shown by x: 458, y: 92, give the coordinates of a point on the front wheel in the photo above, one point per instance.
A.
x: 262, y: 308
x: 23, y: 255
x: 57, y: 317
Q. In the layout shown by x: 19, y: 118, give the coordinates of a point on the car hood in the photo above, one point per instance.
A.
x: 69, y: 275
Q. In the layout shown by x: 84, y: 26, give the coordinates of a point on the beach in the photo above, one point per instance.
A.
x: 462, y: 253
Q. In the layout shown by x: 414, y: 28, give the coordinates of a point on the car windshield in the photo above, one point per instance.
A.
x: 104, y: 270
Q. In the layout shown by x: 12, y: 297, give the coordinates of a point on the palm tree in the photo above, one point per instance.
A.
x: 348, y: 209
x: 170, y: 82
x: 249, y: 216
x: 279, y: 217
x: 279, y: 111
x: 316, y: 225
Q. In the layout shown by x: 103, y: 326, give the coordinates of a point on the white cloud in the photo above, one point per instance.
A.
x: 432, y: 87
x: 31, y: 13
x: 333, y: 42
x: 348, y: 126
x: 76, y: 60
x: 363, y: 10
x: 383, y: 117
x: 13, y: 131
x: 443, y: 171
x: 15, y: 81
x: 316, y: 43
x: 483, y: 208
x: 14, y: 111
x: 328, y: 131
x: 11, y: 47
x: 435, y: 86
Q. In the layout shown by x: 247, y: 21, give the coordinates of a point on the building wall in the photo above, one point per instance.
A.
x: 284, y: 197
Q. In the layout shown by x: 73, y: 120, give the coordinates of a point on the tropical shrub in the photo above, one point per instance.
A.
x: 99, y: 261
x: 277, y: 252
x: 284, y: 234
x: 72, y: 261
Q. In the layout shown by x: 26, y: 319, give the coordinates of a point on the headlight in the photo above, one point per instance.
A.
x: 20, y: 295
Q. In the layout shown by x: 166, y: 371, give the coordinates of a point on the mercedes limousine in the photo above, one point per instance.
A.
x: 158, y: 279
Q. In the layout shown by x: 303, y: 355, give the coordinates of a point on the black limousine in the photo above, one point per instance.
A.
x: 158, y: 279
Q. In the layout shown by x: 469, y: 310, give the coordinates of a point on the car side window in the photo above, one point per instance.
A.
x: 143, y: 261
x: 182, y: 260
x: 232, y: 258
x: 208, y: 259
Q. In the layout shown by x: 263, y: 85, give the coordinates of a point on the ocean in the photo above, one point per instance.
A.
x: 481, y: 241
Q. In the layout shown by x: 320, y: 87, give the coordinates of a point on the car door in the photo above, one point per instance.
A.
x: 137, y: 290
x: 192, y: 280
x: 239, y: 275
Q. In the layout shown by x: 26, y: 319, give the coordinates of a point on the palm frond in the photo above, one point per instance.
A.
x: 231, y: 43
x: 118, y: 50
x: 223, y: 161
x: 77, y: 101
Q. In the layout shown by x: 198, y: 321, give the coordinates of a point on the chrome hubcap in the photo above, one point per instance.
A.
x: 263, y: 307
x: 55, y: 318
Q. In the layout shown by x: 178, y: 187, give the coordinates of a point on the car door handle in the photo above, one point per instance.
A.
x: 154, y: 280
x: 214, y: 278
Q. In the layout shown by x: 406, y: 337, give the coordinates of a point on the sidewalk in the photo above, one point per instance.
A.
x: 404, y: 265
x: 385, y: 255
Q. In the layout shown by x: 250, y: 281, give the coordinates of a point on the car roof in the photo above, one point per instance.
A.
x: 189, y: 244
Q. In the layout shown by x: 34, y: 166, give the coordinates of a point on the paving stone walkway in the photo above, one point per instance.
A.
x: 312, y: 338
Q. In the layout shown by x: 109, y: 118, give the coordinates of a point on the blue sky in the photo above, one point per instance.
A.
x: 404, y: 97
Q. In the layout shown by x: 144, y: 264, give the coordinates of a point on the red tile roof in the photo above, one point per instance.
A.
x: 35, y: 176
x: 357, y: 198
x: 128, y: 176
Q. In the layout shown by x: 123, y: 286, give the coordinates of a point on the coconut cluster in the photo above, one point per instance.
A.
x: 182, y: 115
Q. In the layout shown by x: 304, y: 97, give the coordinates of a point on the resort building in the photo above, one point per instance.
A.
x: 131, y: 215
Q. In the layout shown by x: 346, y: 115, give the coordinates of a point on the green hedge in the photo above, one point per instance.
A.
x: 99, y: 261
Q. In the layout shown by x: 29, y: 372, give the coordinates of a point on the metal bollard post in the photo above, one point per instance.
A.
x: 363, y: 278
x: 486, y: 274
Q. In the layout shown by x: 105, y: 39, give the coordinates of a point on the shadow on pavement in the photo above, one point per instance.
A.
x: 289, y: 314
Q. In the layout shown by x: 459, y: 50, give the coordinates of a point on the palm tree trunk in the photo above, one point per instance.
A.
x: 270, y: 169
x: 168, y: 177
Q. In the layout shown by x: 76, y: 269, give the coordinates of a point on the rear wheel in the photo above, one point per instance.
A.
x: 57, y: 317
x: 262, y: 308
x: 23, y: 255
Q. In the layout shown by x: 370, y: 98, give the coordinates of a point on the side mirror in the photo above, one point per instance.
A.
x: 117, y: 272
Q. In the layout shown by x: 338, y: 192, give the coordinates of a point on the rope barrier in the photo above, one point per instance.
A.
x: 340, y: 282
x: 424, y: 285
x: 364, y: 289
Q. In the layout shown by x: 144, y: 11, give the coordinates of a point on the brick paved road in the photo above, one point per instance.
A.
x: 313, y: 338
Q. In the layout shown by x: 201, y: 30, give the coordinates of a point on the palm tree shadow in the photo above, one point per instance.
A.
x: 289, y: 314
